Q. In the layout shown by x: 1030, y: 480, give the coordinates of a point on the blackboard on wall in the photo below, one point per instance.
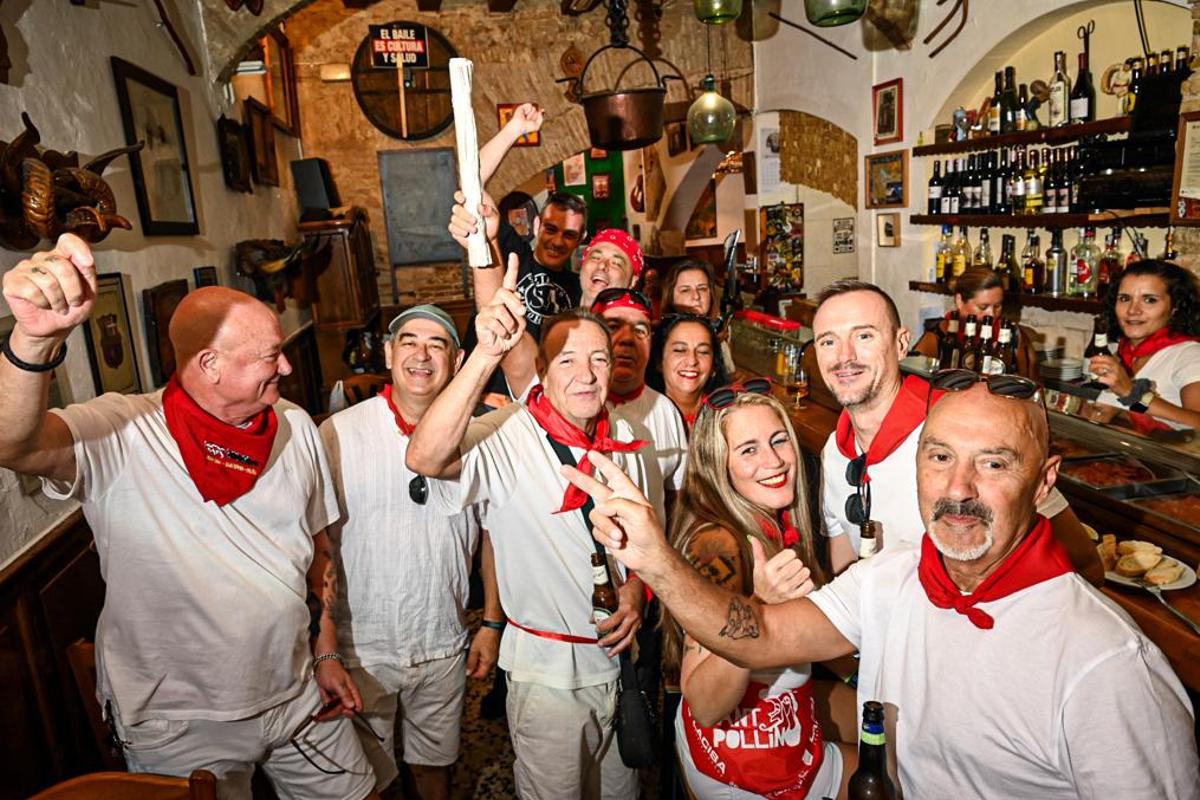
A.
x: 418, y: 190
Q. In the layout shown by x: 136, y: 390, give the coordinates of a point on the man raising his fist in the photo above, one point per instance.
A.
x: 209, y: 501
x: 560, y: 660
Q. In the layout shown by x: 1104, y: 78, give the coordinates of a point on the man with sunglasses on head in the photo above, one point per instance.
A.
x: 1005, y: 674
x: 404, y: 569
x: 560, y: 660
x: 208, y: 501
x: 867, y: 462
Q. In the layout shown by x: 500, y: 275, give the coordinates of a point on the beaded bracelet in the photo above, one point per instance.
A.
x: 334, y: 656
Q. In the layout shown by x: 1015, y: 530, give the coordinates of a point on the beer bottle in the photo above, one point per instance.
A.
x: 1011, y: 344
x: 1004, y: 354
x: 604, y: 597
x: 868, y: 539
x: 983, y: 346
x: 1098, y: 346
x: 949, y: 353
x: 969, y: 342
x: 871, y: 781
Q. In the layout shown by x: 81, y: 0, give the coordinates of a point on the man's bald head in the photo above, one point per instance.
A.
x: 211, y: 317
x: 1019, y: 422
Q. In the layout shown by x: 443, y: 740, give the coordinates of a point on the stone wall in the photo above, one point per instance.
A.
x: 816, y: 153
x: 516, y: 59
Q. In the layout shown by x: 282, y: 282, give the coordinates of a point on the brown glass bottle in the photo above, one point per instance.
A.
x: 949, y: 353
x: 604, y: 597
x: 870, y: 781
x: 970, y: 342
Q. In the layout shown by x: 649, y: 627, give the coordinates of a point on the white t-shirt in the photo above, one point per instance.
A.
x: 1168, y: 370
x: 654, y: 418
x: 1063, y: 698
x: 543, y: 559
x: 204, y: 614
x: 402, y: 592
x: 893, y: 493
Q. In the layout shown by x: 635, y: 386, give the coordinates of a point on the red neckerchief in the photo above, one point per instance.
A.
x: 1159, y: 340
x: 566, y: 433
x: 906, y: 413
x: 404, y: 425
x: 784, y: 532
x: 1038, y: 558
x: 690, y: 420
x: 622, y: 399
x: 223, y: 460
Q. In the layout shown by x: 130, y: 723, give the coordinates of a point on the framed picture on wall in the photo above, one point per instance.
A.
x: 600, y: 186
x: 887, y: 106
x: 281, y: 82
x: 234, y: 147
x: 887, y: 229
x: 262, y: 142
x: 205, y: 276
x: 575, y: 170
x: 1185, y: 192
x: 109, y: 337
x: 887, y: 179
x: 162, y: 179
x: 160, y: 303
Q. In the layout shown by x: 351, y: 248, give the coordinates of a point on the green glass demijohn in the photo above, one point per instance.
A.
x: 711, y: 117
x: 828, y: 13
x: 717, y: 12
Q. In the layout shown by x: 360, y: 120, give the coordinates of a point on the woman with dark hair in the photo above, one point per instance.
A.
x: 979, y: 291
x: 689, y: 288
x: 1156, y: 369
x: 686, y: 362
x: 742, y: 521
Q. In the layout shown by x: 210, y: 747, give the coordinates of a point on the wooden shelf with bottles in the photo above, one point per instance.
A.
x: 1140, y: 218
x: 1077, y: 304
x: 1066, y: 133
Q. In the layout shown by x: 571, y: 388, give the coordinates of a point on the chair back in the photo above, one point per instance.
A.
x: 201, y: 785
x: 82, y: 657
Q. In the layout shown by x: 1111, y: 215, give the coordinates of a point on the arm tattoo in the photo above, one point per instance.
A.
x: 714, y: 554
x: 329, y: 586
x: 315, y: 609
x: 742, y: 621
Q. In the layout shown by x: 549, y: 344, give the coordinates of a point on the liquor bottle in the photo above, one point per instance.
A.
x: 1164, y: 62
x: 1007, y: 266
x: 1097, y: 346
x: 871, y: 781
x: 1151, y: 65
x: 987, y: 165
x: 949, y: 353
x: 993, y: 115
x: 1055, y: 283
x: 1183, y: 59
x: 1032, y: 267
x: 1022, y: 121
x: 1000, y: 196
x: 1083, y: 94
x: 1050, y: 184
x: 961, y: 256
x: 1063, y: 201
x: 983, y: 345
x: 983, y: 253
x: 868, y: 539
x: 1011, y: 111
x: 1075, y: 170
x: 951, y: 189
x: 1135, y: 86
x: 1085, y: 259
x: 1016, y: 184
x: 604, y: 597
x: 1060, y: 91
x: 1033, y: 185
x: 1112, y: 264
x: 935, y: 189
x: 941, y: 255
x: 970, y: 194
x: 1169, y: 252
x: 970, y: 342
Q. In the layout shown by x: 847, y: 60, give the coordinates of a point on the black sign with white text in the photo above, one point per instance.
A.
x: 399, y: 44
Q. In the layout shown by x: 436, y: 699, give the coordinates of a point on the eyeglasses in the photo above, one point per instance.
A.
x: 858, y: 505
x: 297, y: 737
x: 723, y: 397
x: 418, y: 490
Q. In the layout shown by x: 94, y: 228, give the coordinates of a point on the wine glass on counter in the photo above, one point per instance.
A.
x: 798, y: 387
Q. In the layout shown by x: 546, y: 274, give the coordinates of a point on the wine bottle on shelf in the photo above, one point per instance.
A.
x: 993, y: 115
x: 960, y: 257
x: 1032, y: 267
x: 935, y: 189
x: 1112, y: 263
x: 951, y: 189
x: 983, y: 253
x: 1060, y: 91
x: 1022, y: 121
x: 1135, y: 86
x: 969, y: 202
x: 970, y: 342
x: 980, y: 346
x: 999, y: 181
x: 1183, y: 57
x: 1050, y: 183
x: 1083, y: 93
x: 1016, y: 183
x: 1012, y: 112
x: 1007, y: 267
x: 1033, y: 184
x: 1097, y: 346
x: 1151, y: 65
x: 1063, y: 201
x: 1164, y: 62
x: 1055, y: 283
x: 987, y: 165
x: 1075, y: 168
x: 949, y: 353
x: 1085, y: 258
x: 942, y: 255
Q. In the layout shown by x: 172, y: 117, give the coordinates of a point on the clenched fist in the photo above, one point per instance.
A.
x: 52, y: 292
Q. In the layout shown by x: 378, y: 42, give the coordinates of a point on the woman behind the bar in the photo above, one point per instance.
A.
x: 979, y: 291
x: 1156, y: 308
x: 686, y: 362
x: 689, y: 289
x: 743, y: 490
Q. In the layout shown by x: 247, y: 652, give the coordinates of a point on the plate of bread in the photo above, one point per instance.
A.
x: 1137, y: 563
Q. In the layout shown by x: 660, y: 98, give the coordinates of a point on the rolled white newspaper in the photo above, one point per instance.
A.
x: 461, y: 69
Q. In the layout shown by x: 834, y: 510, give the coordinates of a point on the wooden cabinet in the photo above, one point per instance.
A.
x: 303, y: 386
x: 347, y: 294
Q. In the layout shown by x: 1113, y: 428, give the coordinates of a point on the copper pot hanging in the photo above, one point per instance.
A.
x: 624, y: 119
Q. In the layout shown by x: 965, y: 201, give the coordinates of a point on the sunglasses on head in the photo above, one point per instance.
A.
x: 1012, y: 387
x: 723, y: 397
x: 611, y: 295
x: 675, y: 318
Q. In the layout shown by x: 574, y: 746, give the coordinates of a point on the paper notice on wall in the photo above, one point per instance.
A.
x: 843, y: 235
x: 1189, y: 171
x: 768, y: 160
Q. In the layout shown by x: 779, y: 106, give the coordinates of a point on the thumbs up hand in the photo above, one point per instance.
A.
x: 782, y: 577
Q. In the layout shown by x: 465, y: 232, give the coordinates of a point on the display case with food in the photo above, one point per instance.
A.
x: 1101, y: 472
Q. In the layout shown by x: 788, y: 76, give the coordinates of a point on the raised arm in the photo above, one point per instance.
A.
x: 433, y: 449
x: 49, y: 294
x: 527, y: 119
x: 738, y: 629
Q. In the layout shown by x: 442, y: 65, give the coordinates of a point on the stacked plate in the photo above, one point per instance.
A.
x: 1062, y: 369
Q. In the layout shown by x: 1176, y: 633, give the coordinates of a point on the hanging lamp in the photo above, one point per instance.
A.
x: 711, y: 117
x: 717, y: 12
x: 829, y: 13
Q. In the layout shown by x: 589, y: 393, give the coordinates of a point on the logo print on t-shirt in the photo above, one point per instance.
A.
x: 542, y: 297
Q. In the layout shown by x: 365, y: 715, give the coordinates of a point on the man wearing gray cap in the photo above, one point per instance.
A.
x: 403, y: 587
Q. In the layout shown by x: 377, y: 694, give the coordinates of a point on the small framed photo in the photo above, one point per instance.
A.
x: 887, y: 105
x: 160, y: 303
x: 234, y: 146
x: 600, y: 186
x: 598, y: 153
x: 1185, y: 192
x: 109, y: 337
x: 505, y: 111
x: 575, y: 170
x: 262, y: 140
x: 887, y: 229
x: 205, y: 276
x: 887, y: 179
x: 677, y: 138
